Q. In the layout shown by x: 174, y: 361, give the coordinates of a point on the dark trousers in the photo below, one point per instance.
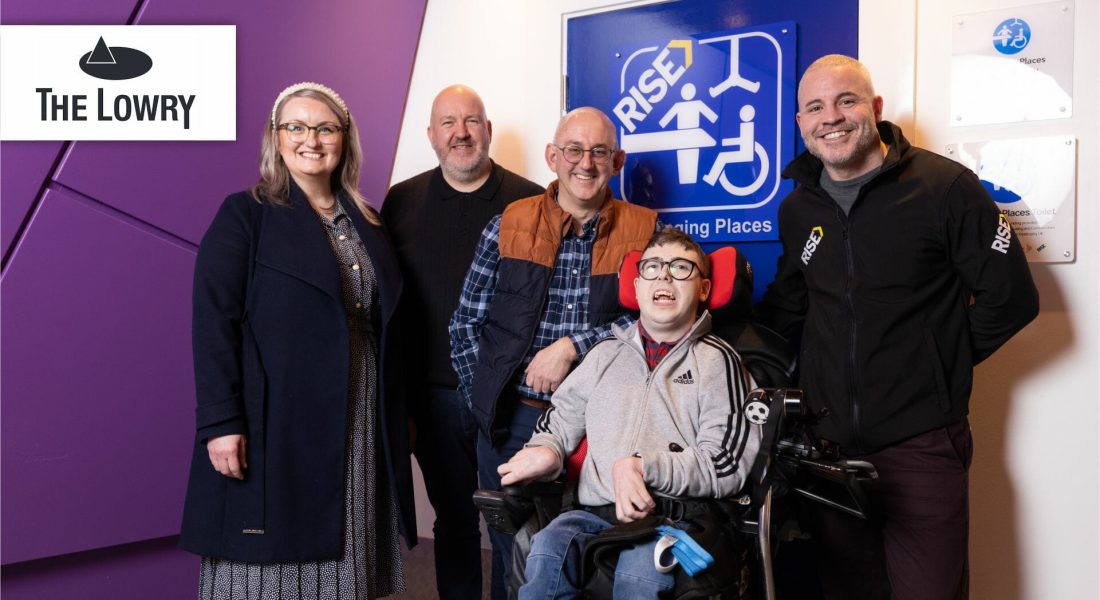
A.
x: 488, y: 459
x: 446, y: 443
x: 917, y: 549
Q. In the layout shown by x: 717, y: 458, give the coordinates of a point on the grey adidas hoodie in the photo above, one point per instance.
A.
x: 685, y: 418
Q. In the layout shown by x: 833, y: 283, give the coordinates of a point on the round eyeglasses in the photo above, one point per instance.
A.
x: 678, y: 268
x: 574, y: 154
x: 299, y: 132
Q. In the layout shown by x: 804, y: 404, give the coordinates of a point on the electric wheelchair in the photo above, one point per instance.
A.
x: 740, y: 531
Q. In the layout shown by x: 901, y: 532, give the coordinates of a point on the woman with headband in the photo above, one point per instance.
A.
x: 300, y: 481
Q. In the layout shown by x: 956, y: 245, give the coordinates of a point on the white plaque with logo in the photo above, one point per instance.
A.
x: 1013, y: 64
x: 1034, y: 183
x: 118, y: 82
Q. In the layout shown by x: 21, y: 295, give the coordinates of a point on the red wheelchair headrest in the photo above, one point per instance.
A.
x: 730, y: 277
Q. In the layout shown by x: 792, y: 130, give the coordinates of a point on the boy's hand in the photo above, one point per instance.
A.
x: 530, y: 463
x: 632, y: 498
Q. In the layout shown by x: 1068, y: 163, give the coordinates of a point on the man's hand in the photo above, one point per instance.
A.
x: 535, y: 462
x: 632, y: 499
x: 550, y: 366
x: 227, y: 454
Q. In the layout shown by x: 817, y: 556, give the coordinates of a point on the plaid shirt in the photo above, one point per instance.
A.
x: 654, y: 350
x: 565, y: 313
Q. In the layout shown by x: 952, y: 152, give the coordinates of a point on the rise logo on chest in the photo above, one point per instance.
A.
x: 812, y: 242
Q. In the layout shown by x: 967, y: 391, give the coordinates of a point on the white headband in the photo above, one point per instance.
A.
x: 309, y: 85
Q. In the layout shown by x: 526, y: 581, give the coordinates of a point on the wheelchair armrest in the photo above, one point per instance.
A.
x: 505, y: 510
x: 508, y: 509
x: 536, y: 489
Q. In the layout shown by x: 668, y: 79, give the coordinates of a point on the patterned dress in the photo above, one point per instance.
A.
x: 371, y: 566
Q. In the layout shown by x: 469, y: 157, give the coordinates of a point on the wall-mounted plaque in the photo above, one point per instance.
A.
x: 1034, y: 182
x: 1011, y: 65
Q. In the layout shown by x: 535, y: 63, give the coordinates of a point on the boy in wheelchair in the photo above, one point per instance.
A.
x: 662, y: 403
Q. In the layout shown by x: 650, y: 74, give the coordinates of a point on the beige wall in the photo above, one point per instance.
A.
x: 1034, y: 413
x: 1034, y: 490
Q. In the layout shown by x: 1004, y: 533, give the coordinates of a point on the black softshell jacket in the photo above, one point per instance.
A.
x: 895, y: 302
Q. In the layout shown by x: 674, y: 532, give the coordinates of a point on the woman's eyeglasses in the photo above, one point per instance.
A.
x: 299, y: 132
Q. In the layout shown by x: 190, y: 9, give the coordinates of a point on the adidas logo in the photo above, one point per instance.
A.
x: 685, y: 378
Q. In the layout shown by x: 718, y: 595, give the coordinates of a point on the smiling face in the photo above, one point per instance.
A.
x: 668, y: 307
x: 837, y: 114
x: 460, y: 135
x: 310, y: 159
x: 582, y: 186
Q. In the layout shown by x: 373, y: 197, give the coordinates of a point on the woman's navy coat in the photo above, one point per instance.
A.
x: 271, y: 358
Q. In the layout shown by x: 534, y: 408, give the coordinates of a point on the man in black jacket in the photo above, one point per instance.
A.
x: 435, y: 220
x: 898, y: 275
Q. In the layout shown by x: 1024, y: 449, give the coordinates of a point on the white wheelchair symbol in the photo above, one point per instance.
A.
x: 746, y: 145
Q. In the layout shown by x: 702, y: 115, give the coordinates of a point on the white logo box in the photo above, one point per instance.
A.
x: 189, y: 93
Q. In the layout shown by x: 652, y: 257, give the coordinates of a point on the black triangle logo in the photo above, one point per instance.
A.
x: 101, y: 55
x: 117, y: 63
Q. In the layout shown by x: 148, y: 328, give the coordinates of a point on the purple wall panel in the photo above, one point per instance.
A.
x: 153, y: 569
x: 97, y: 419
x: 97, y: 413
x: 66, y: 12
x: 363, y: 50
x: 24, y: 167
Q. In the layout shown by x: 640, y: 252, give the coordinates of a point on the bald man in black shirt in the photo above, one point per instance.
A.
x: 435, y: 220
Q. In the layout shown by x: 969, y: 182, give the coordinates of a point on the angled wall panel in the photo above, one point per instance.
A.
x: 66, y: 12
x: 98, y: 403
x: 363, y: 50
x: 97, y: 415
x: 152, y: 570
x: 24, y: 168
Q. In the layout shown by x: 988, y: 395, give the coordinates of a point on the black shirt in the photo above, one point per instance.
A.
x: 435, y: 229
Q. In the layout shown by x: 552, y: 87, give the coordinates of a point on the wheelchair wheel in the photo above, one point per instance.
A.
x: 756, y: 184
